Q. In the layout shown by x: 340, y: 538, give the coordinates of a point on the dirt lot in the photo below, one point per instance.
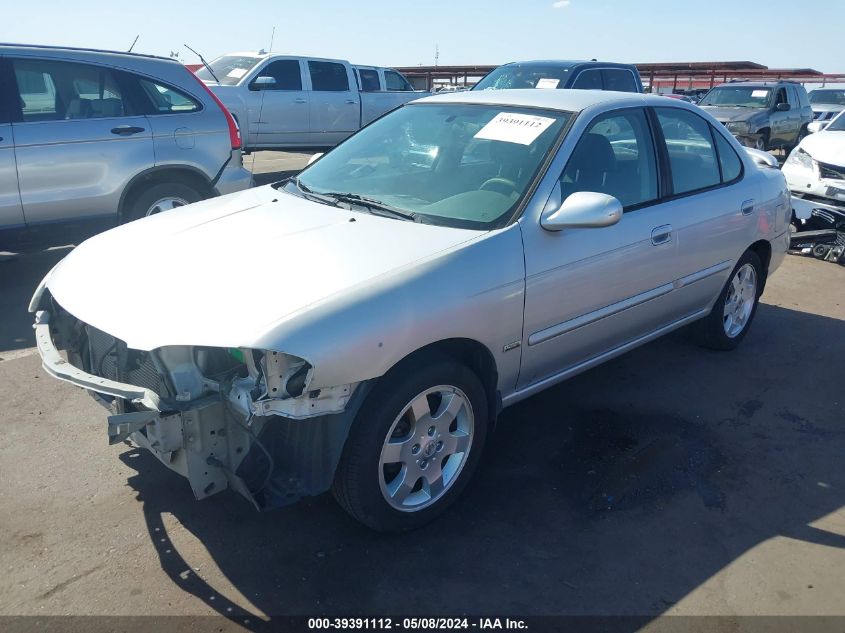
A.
x: 672, y: 480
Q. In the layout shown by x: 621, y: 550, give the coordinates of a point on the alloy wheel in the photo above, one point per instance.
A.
x: 739, y: 302
x: 426, y: 448
x: 165, y: 204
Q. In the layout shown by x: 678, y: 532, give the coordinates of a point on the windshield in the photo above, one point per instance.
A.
x: 738, y: 96
x: 229, y: 69
x: 524, y: 76
x: 836, y: 97
x: 458, y: 165
x: 837, y: 125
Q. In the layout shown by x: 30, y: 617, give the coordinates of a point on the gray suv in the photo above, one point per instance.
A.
x: 763, y: 115
x: 89, y: 139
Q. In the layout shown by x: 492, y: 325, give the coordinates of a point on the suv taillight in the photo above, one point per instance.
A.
x: 234, y: 130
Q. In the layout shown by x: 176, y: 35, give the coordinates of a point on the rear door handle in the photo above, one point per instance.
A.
x: 351, y: 101
x: 300, y: 100
x: 661, y: 235
x: 748, y: 207
x: 126, y: 130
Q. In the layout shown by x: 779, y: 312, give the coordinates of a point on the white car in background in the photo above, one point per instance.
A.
x: 815, y: 170
x: 826, y: 103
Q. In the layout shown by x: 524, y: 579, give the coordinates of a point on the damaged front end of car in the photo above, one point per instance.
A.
x: 221, y: 417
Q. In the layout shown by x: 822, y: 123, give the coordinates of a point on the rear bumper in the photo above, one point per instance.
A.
x: 234, y: 177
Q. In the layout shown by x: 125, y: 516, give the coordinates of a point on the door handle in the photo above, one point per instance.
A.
x: 351, y: 101
x: 661, y: 235
x: 748, y: 207
x: 126, y: 130
x: 300, y: 100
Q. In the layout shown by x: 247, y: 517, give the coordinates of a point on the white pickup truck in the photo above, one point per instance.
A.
x: 288, y: 101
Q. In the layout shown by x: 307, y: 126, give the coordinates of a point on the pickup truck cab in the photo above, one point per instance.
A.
x: 557, y: 75
x: 289, y: 101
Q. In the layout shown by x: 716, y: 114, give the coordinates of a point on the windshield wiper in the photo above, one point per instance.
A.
x: 308, y: 194
x: 376, y: 207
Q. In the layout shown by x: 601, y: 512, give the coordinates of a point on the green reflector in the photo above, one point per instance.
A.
x: 237, y: 354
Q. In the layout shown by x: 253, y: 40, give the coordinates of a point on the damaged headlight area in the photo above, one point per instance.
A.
x: 222, y: 417
x: 799, y: 158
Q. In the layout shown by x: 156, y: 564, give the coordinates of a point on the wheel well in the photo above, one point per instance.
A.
x: 181, y: 175
x: 468, y: 352
x: 764, y: 252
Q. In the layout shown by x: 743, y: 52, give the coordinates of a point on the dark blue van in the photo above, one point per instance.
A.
x: 551, y: 74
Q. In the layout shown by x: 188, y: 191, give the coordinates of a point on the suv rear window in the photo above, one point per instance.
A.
x: 166, y: 100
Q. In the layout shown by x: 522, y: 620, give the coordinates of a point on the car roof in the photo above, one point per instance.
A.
x: 569, y: 63
x: 10, y: 47
x: 752, y: 84
x: 564, y: 100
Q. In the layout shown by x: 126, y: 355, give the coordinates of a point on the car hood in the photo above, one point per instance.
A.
x: 225, y: 271
x: 826, y: 147
x: 723, y: 114
x: 827, y: 107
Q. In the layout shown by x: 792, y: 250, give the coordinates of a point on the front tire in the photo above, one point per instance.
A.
x: 734, y: 310
x: 762, y: 142
x: 413, y: 446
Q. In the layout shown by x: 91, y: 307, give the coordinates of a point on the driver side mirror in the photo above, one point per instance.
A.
x: 263, y: 83
x: 783, y: 107
x: 583, y: 210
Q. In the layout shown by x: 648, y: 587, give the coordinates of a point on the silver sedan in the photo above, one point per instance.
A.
x: 359, y: 327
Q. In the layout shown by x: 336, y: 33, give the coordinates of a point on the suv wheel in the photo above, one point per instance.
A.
x: 762, y: 142
x: 413, y: 446
x: 159, y: 198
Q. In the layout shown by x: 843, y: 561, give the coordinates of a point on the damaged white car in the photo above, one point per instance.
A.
x: 359, y: 327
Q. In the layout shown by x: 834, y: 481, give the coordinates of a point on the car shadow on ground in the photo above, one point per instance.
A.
x: 19, y: 276
x: 617, y: 492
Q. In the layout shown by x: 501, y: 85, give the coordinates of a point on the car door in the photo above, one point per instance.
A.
x: 591, y: 290
x: 11, y: 211
x: 78, y: 142
x: 279, y: 108
x: 795, y: 121
x: 711, y: 205
x: 335, y: 108
x: 781, y: 120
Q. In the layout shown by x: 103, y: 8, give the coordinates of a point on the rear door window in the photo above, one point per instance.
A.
x: 396, y: 82
x: 589, y: 79
x: 692, y: 156
x: 620, y: 79
x: 328, y: 76
x: 286, y: 72
x: 369, y: 80
x: 55, y: 91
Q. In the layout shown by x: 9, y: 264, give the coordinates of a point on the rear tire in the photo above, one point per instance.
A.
x: 762, y: 142
x: 413, y: 446
x: 734, y: 310
x: 160, y: 197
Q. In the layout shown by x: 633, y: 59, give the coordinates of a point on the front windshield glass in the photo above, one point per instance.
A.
x: 515, y: 76
x: 456, y: 165
x: 738, y: 97
x: 229, y: 69
x: 835, y: 97
x: 837, y: 125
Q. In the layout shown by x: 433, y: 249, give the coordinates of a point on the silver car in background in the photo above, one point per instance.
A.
x: 456, y: 256
x: 93, y: 138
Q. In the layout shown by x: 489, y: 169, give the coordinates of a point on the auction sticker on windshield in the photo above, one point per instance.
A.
x: 759, y: 93
x: 237, y: 73
x: 514, y: 128
x: 547, y: 83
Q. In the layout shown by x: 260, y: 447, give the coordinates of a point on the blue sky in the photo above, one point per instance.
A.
x: 402, y: 33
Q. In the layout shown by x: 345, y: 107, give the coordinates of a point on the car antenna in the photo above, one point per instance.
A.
x: 135, y: 41
x: 204, y: 63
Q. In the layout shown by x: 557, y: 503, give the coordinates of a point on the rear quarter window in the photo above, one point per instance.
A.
x: 163, y: 99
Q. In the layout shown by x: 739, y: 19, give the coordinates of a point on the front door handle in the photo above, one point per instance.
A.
x: 748, y: 207
x: 126, y: 130
x: 300, y: 100
x: 351, y: 101
x: 661, y: 235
